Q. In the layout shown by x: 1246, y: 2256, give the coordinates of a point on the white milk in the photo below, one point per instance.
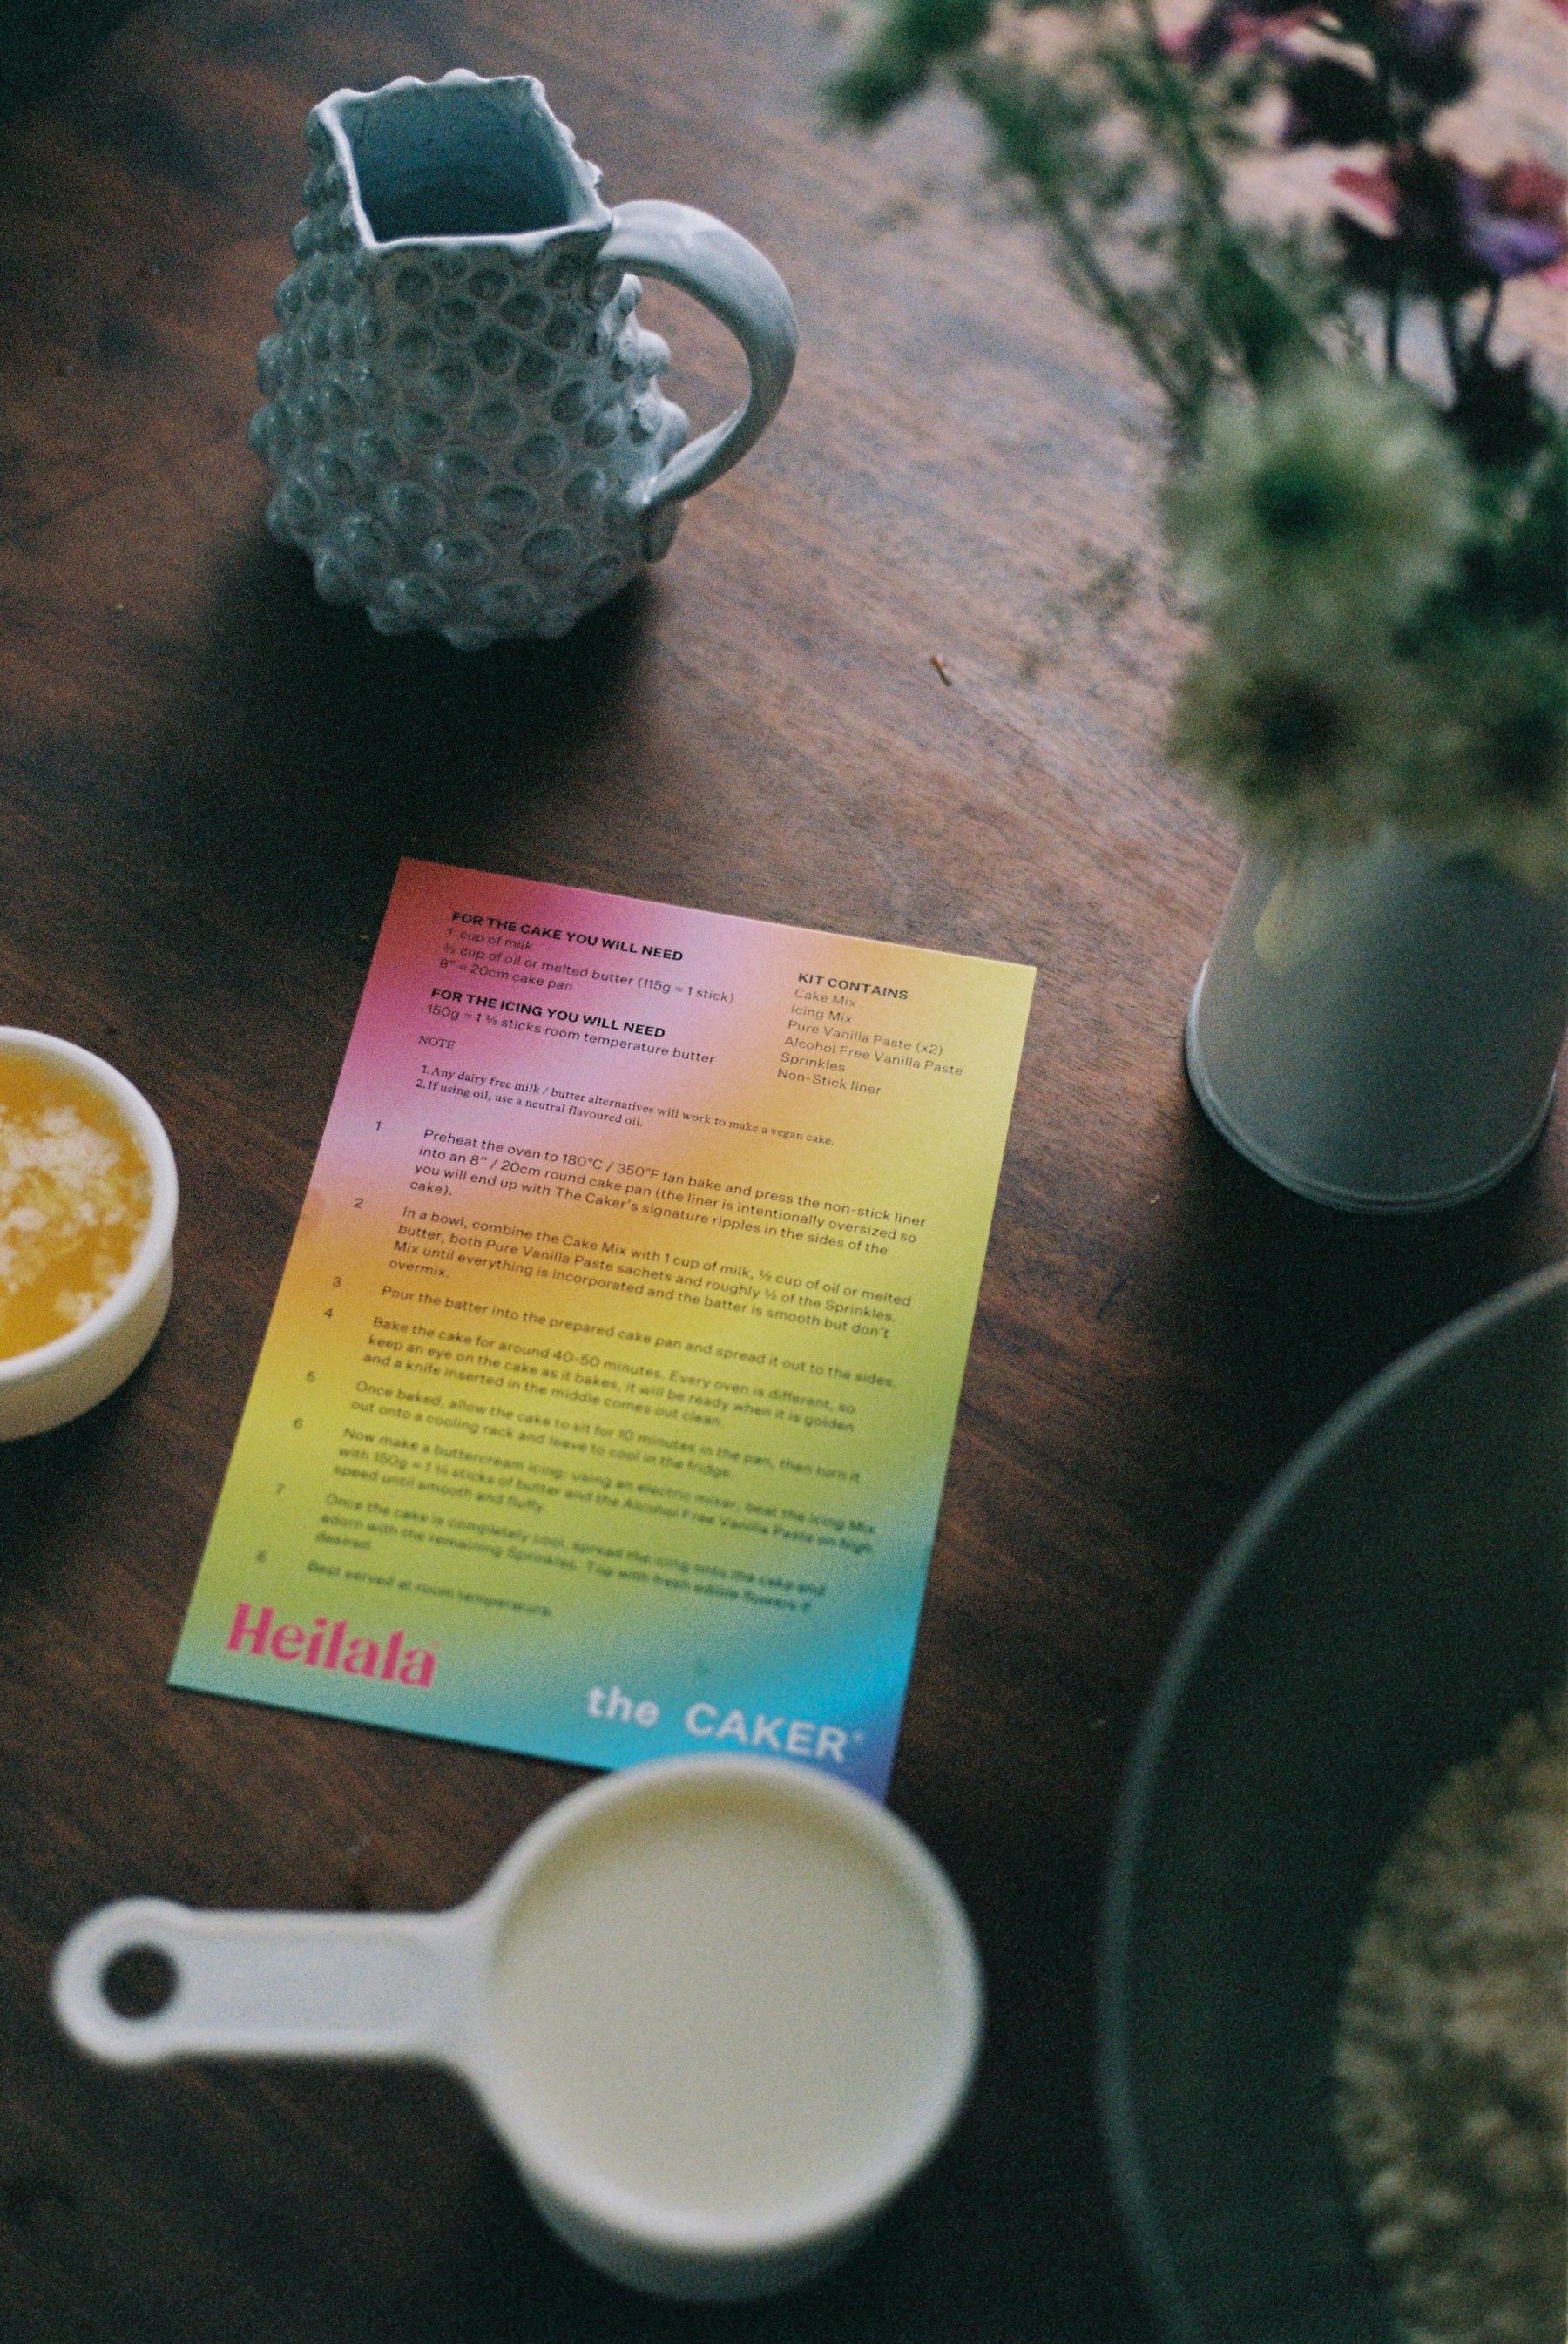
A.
x: 719, y: 2006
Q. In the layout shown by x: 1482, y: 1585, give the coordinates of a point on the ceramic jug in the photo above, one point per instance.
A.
x: 463, y: 411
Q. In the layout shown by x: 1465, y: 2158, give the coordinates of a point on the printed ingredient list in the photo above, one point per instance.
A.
x: 605, y: 1407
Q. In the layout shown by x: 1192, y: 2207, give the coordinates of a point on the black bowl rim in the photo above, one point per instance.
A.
x: 1129, y: 2175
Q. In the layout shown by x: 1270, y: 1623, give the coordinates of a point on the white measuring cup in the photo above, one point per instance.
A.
x: 719, y: 2009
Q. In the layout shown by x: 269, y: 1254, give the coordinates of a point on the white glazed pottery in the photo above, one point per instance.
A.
x: 46, y: 1387
x: 1393, y: 1044
x: 462, y: 411
x: 460, y: 1988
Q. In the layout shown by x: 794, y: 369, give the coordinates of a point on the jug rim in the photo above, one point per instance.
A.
x: 588, y: 215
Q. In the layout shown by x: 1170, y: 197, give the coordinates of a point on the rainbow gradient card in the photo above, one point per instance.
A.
x: 605, y: 1406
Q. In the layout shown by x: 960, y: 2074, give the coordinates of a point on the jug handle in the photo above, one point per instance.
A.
x: 292, y: 1985
x: 697, y: 253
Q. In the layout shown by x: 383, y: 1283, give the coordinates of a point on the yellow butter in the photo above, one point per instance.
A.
x: 76, y: 1193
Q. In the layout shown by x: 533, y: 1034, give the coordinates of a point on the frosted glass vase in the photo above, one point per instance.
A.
x: 1381, y: 1030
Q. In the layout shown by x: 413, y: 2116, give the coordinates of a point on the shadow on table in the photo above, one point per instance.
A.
x: 306, y: 752
x: 1288, y: 1306
x: 1266, y: 1313
x: 989, y: 2248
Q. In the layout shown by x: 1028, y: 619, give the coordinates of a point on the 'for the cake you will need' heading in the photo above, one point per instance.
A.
x: 565, y: 935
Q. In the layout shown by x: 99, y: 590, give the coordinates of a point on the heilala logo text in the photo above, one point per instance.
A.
x: 327, y: 1644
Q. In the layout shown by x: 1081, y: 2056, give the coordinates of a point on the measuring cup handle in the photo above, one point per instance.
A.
x: 691, y: 249
x: 331, y: 1985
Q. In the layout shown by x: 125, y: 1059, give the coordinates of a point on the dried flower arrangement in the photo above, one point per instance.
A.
x: 1368, y: 507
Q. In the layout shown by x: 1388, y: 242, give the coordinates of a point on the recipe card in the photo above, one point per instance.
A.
x: 606, y: 1402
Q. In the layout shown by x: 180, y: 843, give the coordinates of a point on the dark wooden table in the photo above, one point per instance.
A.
x: 206, y: 779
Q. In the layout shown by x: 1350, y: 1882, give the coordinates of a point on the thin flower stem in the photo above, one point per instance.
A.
x: 1099, y: 287
x: 1392, y: 319
x: 1448, y: 320
x: 1479, y: 348
x: 1207, y: 177
x: 1208, y: 182
x: 1114, y: 305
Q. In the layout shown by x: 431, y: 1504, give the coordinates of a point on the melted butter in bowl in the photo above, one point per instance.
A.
x: 75, y: 1196
x: 88, y: 1198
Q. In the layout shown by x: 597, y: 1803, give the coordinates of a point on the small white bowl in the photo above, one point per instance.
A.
x: 49, y: 1385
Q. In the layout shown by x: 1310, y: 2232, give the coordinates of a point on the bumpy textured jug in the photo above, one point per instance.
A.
x: 461, y: 409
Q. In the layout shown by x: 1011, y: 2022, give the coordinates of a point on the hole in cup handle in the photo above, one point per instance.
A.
x: 139, y: 1983
x: 716, y: 265
x: 79, y: 1988
x: 267, y: 1985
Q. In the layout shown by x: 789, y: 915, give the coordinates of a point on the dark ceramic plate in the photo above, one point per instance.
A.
x: 40, y: 40
x: 1397, y: 1596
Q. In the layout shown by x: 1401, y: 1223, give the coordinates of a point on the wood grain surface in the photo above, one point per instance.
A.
x: 205, y: 780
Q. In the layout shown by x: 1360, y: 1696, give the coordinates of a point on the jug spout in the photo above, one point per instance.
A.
x: 458, y: 160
